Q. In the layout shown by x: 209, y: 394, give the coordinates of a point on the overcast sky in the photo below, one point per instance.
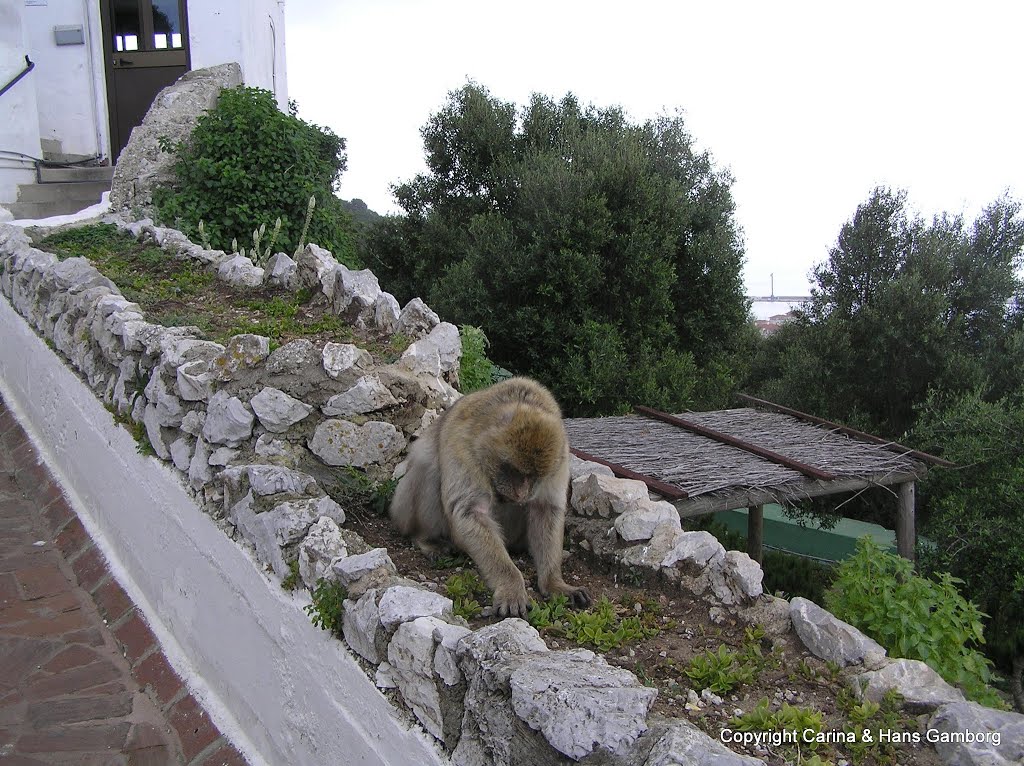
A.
x: 808, y: 104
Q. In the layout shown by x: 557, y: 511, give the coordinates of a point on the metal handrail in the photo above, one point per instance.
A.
x: 29, y: 66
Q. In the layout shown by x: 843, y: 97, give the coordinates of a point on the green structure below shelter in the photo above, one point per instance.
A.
x: 785, y: 534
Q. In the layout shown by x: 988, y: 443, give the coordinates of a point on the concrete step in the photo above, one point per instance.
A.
x: 76, y: 175
x: 45, y: 200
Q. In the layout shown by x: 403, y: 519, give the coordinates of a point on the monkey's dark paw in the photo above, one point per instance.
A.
x: 579, y: 598
x: 511, y: 602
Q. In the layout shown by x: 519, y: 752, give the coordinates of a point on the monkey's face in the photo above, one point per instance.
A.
x: 512, y: 485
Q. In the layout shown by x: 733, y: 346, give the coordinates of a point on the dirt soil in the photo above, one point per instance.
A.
x: 789, y: 672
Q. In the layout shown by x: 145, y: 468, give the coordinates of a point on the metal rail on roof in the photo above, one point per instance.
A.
x: 732, y: 441
x: 884, y: 443
x: 663, y: 489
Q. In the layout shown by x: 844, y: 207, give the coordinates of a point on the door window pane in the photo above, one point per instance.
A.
x: 126, y: 26
x: 166, y: 24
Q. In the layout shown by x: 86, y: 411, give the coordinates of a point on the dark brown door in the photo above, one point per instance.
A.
x: 146, y: 47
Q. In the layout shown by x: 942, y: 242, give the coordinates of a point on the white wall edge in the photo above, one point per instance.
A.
x: 280, y: 689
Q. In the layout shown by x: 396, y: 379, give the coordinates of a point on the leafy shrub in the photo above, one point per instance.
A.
x: 247, y: 164
x: 913, y: 616
x: 600, y: 626
x: 465, y: 589
x: 328, y: 605
x: 476, y: 371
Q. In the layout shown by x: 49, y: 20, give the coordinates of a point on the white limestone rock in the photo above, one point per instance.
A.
x: 580, y: 703
x: 599, y: 495
x: 151, y: 420
x: 360, y: 624
x: 313, y: 265
x: 831, y: 639
x: 737, y: 579
x: 195, y: 381
x: 367, y: 395
x: 695, y: 550
x: 655, y: 551
x: 277, y: 411
x: 641, y: 523
x: 436, y: 354
x: 280, y: 270
x: 339, y: 442
x: 581, y: 468
x: 410, y: 655
x: 355, y: 295
x: 953, y: 722
x: 229, y: 421
x: 292, y: 357
x: 351, y: 569
x: 322, y: 545
x: 279, y: 451
x: 181, y: 453
x: 283, y: 526
x: 266, y: 480
x: 242, y: 351
x: 508, y: 638
x: 339, y: 358
x: 921, y: 687
x: 416, y: 319
x: 239, y: 271
x: 193, y: 421
x: 169, y: 410
x: 684, y: 743
x: 199, y: 472
x: 174, y: 352
x: 223, y: 456
x: 386, y: 313
x: 402, y: 603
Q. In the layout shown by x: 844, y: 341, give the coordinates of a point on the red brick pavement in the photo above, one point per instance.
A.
x: 82, y: 679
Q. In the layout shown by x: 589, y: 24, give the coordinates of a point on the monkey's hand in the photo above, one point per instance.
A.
x: 579, y: 597
x: 511, y: 601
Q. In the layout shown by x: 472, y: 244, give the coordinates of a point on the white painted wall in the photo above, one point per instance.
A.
x: 250, y: 32
x: 281, y: 690
x: 19, y: 120
x: 69, y: 79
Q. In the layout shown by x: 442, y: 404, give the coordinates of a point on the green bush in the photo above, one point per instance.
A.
x: 247, y: 164
x: 913, y: 616
x: 476, y: 371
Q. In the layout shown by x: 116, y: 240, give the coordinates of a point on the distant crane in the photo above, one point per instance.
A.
x: 773, y: 298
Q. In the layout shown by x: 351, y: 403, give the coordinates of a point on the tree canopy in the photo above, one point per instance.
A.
x: 902, y: 307
x: 599, y: 255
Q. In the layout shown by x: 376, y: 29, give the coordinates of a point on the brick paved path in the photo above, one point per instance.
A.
x: 82, y: 679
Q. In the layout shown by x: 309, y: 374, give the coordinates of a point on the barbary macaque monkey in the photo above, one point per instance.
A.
x: 490, y: 475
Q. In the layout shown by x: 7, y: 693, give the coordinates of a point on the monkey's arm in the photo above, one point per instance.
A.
x: 545, y: 533
x: 475, y: 531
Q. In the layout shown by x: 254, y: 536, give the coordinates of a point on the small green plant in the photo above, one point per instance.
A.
x: 601, y: 627
x: 720, y: 671
x: 476, y: 371
x: 877, y: 719
x: 310, y: 207
x: 292, y: 581
x: 913, y: 616
x: 328, y: 605
x: 464, y: 589
x: 800, y: 723
x: 550, y: 613
x: 451, y: 561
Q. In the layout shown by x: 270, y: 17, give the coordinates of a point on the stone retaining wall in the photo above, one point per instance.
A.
x: 254, y: 435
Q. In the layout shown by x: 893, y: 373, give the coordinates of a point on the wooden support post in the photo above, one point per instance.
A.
x: 905, y: 535
x: 755, y: 531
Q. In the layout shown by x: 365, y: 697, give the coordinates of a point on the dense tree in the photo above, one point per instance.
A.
x: 599, y: 255
x: 977, y: 513
x: 900, y: 308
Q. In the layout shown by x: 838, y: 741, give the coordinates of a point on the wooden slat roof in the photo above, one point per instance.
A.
x: 714, y: 474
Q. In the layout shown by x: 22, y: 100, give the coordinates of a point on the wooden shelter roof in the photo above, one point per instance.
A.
x: 715, y: 475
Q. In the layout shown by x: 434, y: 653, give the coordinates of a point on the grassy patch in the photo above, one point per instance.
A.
x: 176, y: 292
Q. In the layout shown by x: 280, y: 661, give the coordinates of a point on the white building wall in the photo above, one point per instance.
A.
x: 19, y: 122
x: 69, y: 79
x: 250, y: 32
